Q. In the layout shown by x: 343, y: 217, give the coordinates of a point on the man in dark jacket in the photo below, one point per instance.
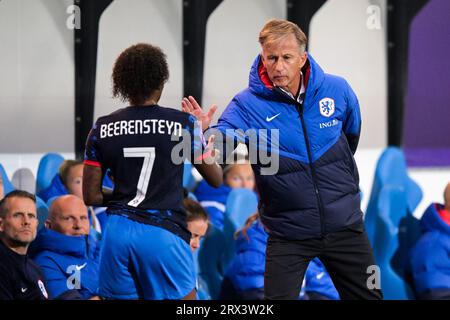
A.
x: 310, y: 122
x: 20, y: 277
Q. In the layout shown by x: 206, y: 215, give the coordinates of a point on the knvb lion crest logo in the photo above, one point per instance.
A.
x: 326, y: 107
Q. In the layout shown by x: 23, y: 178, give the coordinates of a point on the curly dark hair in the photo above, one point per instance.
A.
x: 138, y: 72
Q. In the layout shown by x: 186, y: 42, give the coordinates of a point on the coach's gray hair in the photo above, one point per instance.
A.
x: 276, y: 29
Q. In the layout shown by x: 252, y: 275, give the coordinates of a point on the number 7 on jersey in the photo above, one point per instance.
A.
x: 149, y: 156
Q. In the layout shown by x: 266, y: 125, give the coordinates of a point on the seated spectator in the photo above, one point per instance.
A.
x: 69, y: 180
x: 244, y: 277
x: 213, y: 200
x: 67, y: 255
x: 429, y: 263
x: 21, y: 278
x: 238, y: 175
x: 197, y: 222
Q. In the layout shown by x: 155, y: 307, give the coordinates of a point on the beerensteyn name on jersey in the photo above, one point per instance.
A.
x: 133, y: 127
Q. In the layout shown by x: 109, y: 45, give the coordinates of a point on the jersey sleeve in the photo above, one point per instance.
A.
x: 92, y: 155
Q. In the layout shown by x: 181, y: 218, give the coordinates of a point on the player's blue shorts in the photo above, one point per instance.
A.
x: 140, y: 261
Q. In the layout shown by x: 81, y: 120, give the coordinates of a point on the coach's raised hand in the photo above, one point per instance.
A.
x: 190, y: 105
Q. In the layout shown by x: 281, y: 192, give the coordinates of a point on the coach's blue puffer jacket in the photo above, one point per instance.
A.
x: 316, y: 188
x: 430, y: 257
x: 63, y: 258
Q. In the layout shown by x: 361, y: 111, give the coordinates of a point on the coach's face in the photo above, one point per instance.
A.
x: 283, y: 60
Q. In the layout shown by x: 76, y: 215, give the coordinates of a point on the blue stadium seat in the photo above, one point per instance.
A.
x: 7, y: 185
x: 48, y: 167
x: 389, y: 221
x: 192, y: 196
x: 211, y: 262
x: 189, y: 181
x: 202, y: 286
x: 391, y: 170
x: 42, y: 212
x: 392, y: 207
x: 241, y: 203
x: 50, y: 201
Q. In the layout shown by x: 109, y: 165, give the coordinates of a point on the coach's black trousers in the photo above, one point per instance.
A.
x: 346, y: 254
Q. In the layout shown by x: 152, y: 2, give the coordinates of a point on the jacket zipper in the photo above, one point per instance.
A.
x: 313, y: 170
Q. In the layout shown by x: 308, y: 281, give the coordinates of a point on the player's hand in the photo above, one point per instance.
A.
x: 190, y: 105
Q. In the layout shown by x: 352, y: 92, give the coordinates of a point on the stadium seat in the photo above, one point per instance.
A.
x: 389, y: 221
x: 241, y: 203
x: 211, y: 261
x: 392, y: 207
x: 391, y: 170
x: 48, y: 167
x: 190, y: 179
x: 7, y: 185
x: 202, y: 286
x: 192, y: 196
x: 42, y: 212
x: 24, y: 179
x: 50, y: 201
